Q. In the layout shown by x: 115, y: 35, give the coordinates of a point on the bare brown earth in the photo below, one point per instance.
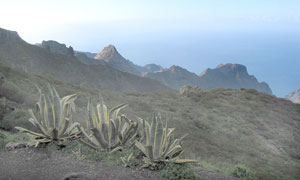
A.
x: 33, y: 164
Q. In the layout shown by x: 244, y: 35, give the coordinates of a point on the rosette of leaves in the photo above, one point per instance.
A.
x: 158, y: 143
x: 53, y: 118
x: 106, y: 129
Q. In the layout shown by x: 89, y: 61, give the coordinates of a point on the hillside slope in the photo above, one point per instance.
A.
x: 18, y: 54
x: 226, y: 127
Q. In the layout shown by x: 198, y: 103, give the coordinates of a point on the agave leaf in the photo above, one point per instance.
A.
x: 42, y: 129
x: 99, y: 136
x: 64, y: 126
x: 141, y: 147
x: 108, y: 129
x: 88, y: 144
x: 28, y: 131
x: 149, y: 150
x: 158, y: 136
x: 88, y: 138
x: 113, y: 113
x: 32, y: 121
x: 181, y: 161
x: 113, y: 133
x: 173, y: 151
x: 153, y: 130
x: 158, y: 144
x: 70, y: 128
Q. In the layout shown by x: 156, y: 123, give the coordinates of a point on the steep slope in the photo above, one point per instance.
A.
x: 234, y: 76
x: 294, y: 96
x: 113, y: 58
x: 18, y: 54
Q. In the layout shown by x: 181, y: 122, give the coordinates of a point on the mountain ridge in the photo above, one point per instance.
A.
x: 229, y: 75
x: 31, y: 58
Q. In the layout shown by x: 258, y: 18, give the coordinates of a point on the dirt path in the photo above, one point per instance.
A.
x: 29, y: 164
x: 33, y: 164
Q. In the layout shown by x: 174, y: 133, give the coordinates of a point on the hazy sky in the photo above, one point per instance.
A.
x: 264, y: 35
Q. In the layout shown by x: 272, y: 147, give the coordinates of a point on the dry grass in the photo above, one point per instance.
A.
x: 225, y: 126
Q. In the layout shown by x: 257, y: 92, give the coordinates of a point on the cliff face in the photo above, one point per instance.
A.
x: 56, y: 47
x: 6, y: 35
x: 294, y: 96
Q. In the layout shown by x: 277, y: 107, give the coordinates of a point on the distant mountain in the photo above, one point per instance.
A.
x: 113, y: 58
x: 55, y: 62
x: 233, y: 76
x: 174, y: 77
x: 294, y: 96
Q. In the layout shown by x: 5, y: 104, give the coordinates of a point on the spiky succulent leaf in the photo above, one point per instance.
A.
x: 157, y: 143
x: 105, y: 126
x: 53, y: 117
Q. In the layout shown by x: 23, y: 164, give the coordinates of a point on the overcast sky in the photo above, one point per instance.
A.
x: 264, y: 35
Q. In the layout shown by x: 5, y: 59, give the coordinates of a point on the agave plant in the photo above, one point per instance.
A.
x: 106, y: 130
x: 53, y: 118
x: 158, y: 144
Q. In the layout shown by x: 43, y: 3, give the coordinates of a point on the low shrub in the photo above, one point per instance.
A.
x: 243, y: 172
x: 173, y: 171
x: 17, y: 117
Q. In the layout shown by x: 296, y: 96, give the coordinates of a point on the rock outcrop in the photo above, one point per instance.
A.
x: 56, y: 47
x: 6, y: 35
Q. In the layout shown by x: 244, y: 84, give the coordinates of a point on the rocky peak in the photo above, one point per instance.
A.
x: 6, y: 35
x: 294, y: 96
x: 175, y: 68
x: 232, y: 68
x: 57, y: 47
x: 108, y: 53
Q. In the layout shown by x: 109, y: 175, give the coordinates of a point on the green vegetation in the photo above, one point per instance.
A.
x: 106, y: 130
x: 174, y: 171
x: 158, y: 143
x: 54, y: 118
x: 129, y: 157
x: 243, y: 172
x: 6, y: 137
